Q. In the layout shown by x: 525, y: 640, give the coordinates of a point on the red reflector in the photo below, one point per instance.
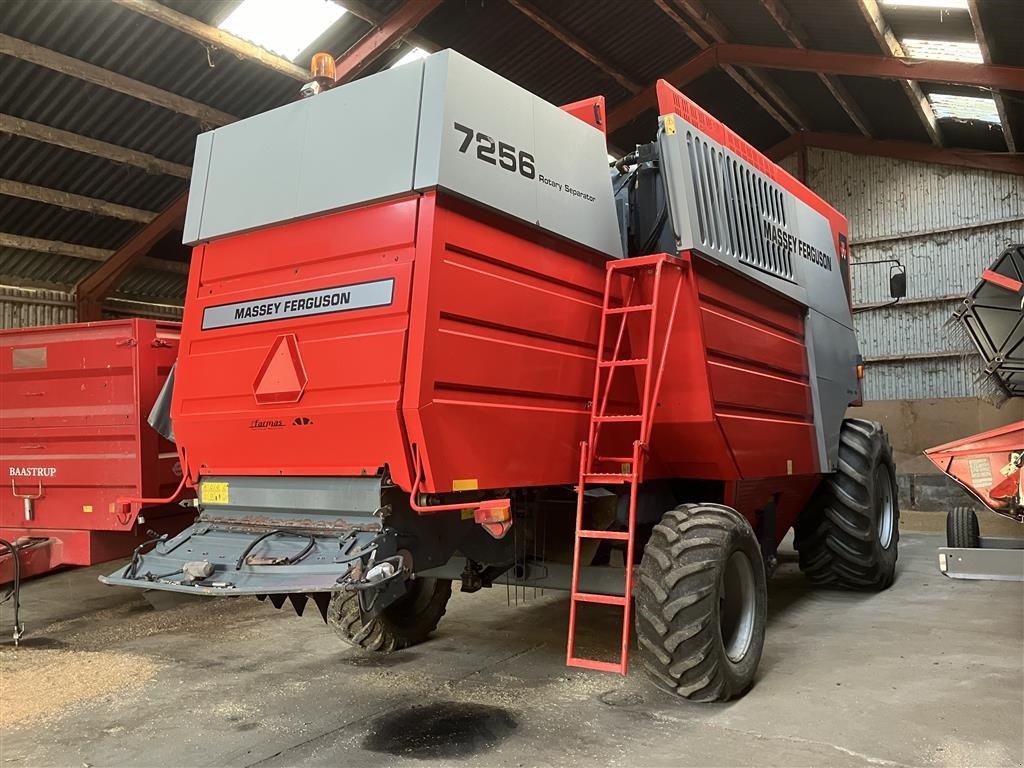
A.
x: 282, y: 377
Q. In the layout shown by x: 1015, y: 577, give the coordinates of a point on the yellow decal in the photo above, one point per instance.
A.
x: 669, y: 121
x: 467, y: 514
x: 87, y: 508
x: 213, y: 493
x: 470, y: 484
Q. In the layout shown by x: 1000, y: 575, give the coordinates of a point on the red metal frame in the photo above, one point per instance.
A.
x: 976, y: 463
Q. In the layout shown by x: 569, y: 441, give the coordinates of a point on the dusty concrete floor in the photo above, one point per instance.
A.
x: 929, y: 673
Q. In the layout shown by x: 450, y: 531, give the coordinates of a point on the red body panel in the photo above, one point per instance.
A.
x: 976, y: 463
x: 73, y: 430
x: 484, y: 361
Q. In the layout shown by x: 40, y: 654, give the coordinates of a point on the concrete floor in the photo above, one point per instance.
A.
x: 928, y: 673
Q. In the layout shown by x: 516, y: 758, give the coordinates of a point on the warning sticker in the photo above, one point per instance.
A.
x: 214, y: 493
x: 981, y: 472
x: 342, y: 298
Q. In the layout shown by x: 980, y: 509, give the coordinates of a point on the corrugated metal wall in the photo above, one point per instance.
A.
x: 26, y: 307
x: 946, y: 224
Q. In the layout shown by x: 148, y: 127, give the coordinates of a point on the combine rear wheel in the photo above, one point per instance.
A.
x: 847, y: 535
x: 701, y: 603
x: 962, y: 528
x: 407, y: 621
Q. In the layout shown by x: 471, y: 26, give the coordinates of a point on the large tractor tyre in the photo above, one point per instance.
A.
x: 962, y: 528
x: 407, y: 621
x: 847, y: 536
x: 702, y: 603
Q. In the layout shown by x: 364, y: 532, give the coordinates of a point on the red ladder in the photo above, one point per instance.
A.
x: 643, y: 289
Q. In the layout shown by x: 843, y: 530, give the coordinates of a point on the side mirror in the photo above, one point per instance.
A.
x: 898, y: 282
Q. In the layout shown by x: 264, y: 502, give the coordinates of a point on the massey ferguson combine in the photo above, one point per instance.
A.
x: 428, y: 337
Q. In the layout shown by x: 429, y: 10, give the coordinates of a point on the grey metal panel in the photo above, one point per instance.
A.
x: 369, y: 139
x: 833, y: 350
x: 197, y: 187
x: 349, y: 145
x: 329, y: 496
x: 566, y: 153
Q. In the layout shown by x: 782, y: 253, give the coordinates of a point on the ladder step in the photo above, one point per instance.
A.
x: 630, y: 308
x: 598, y: 666
x: 607, y: 477
x: 617, y: 459
x: 620, y: 417
x: 590, y: 597
x: 615, y: 535
x: 634, y: 361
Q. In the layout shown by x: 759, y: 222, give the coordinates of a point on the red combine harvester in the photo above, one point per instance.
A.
x: 989, y: 465
x: 429, y: 337
x: 74, y: 439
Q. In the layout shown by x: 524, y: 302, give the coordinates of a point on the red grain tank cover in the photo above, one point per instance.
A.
x: 74, y: 400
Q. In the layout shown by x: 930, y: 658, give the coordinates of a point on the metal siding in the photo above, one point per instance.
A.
x: 904, y: 203
x: 28, y: 307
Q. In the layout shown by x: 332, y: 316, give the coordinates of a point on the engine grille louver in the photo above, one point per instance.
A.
x: 735, y: 208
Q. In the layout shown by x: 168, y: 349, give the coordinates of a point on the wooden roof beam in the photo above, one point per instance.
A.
x: 92, y: 289
x: 204, y: 33
x: 832, y: 62
x: 572, y: 41
x: 16, y: 126
x: 799, y: 38
x: 701, y: 42
x: 371, y: 15
x: 74, y: 202
x: 986, y: 56
x: 39, y: 245
x: 378, y: 41
x: 890, y: 45
x: 90, y: 73
x: 1001, y: 162
x: 791, y: 116
x: 869, y: 65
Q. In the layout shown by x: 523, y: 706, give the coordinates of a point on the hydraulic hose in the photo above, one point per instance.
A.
x: 15, y: 591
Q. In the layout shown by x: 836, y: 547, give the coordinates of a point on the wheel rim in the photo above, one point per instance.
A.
x: 737, y: 606
x: 883, y: 489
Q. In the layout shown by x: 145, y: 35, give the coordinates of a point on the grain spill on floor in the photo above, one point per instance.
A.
x: 38, y: 684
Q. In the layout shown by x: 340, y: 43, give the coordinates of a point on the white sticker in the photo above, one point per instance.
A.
x: 342, y: 298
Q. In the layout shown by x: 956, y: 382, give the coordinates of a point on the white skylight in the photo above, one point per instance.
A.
x: 953, y: 4
x: 286, y: 28
x: 945, y: 50
x: 946, y: 105
x: 413, y: 55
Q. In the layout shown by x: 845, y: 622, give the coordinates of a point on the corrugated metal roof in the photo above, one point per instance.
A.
x: 636, y: 37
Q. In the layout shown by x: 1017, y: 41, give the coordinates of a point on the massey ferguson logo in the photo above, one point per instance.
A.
x: 33, y: 471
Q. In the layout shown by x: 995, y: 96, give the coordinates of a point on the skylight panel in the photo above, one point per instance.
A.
x: 413, y: 55
x: 944, y: 50
x: 959, y: 5
x: 285, y: 28
x: 950, y: 106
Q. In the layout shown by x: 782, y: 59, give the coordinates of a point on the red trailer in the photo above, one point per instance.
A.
x: 74, y: 438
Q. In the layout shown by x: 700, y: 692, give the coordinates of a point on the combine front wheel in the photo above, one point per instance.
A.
x: 405, y: 622
x: 847, y: 536
x: 701, y: 603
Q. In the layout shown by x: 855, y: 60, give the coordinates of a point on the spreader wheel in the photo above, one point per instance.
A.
x: 962, y: 528
x: 701, y: 603
x: 848, y: 534
x: 407, y: 621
